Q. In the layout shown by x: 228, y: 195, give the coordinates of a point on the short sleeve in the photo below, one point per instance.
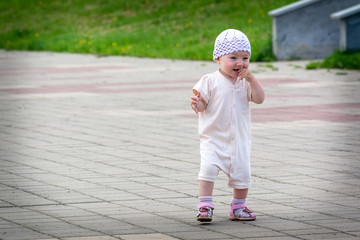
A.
x: 203, y: 86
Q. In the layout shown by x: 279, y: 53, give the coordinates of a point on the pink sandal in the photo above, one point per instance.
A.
x: 205, y: 213
x: 244, y: 215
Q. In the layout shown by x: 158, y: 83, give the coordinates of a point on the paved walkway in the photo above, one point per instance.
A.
x: 107, y: 148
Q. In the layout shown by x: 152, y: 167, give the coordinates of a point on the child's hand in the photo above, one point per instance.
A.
x: 257, y: 92
x: 197, y: 103
x: 245, y: 73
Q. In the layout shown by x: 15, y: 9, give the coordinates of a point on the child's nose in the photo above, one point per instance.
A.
x: 239, y: 63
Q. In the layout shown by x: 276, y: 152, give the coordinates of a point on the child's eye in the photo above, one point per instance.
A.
x: 233, y: 58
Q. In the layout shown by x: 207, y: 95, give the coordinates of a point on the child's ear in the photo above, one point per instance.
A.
x: 217, y: 61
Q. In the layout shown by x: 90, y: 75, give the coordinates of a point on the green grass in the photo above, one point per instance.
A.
x: 339, y: 60
x: 269, y: 66
x: 178, y: 29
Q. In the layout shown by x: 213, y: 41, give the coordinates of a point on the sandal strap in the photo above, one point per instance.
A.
x: 237, y: 206
x: 247, y: 210
x: 205, y: 204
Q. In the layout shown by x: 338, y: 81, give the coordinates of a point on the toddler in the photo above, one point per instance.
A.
x: 222, y: 102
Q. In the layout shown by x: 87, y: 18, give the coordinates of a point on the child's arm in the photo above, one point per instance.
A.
x: 257, y: 91
x: 198, y: 104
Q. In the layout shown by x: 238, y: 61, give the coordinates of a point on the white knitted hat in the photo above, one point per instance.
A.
x: 229, y: 41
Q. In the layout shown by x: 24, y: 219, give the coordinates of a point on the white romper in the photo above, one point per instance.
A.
x: 225, y: 129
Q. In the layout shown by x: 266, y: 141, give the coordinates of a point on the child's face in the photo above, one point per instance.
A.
x: 232, y: 63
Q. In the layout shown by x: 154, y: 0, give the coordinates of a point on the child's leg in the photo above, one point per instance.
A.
x: 205, y: 188
x: 240, y: 193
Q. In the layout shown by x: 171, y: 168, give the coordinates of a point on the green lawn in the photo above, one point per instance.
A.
x: 340, y: 60
x: 178, y: 29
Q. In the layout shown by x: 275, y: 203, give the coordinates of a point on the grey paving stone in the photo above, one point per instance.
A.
x: 150, y: 236
x: 21, y: 233
x: 91, y: 238
x: 330, y: 236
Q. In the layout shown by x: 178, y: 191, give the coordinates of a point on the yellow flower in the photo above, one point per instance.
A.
x: 114, y: 44
x: 36, y: 35
x: 250, y: 20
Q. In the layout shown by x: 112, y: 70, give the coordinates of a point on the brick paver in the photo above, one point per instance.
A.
x: 107, y: 148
